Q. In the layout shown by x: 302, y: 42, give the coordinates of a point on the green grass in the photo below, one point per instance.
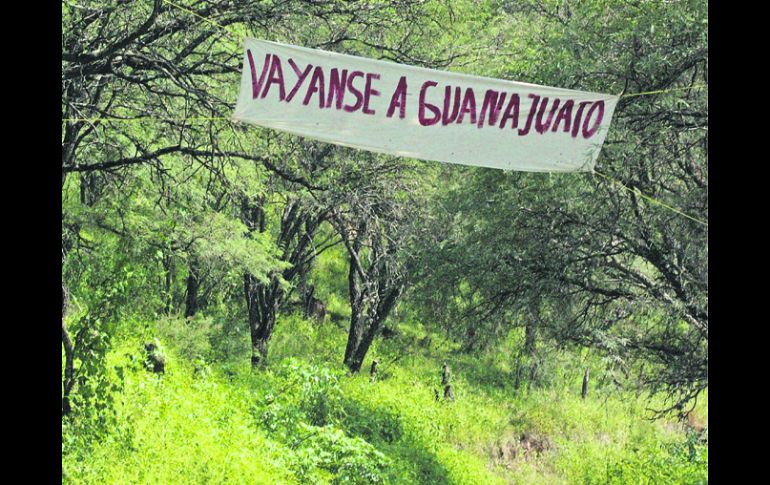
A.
x: 304, y: 420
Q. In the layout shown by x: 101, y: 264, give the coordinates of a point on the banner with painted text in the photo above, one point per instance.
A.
x: 421, y: 113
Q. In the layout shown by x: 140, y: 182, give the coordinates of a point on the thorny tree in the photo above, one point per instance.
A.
x: 590, y: 261
x: 376, y: 217
x: 175, y: 65
x: 296, y: 235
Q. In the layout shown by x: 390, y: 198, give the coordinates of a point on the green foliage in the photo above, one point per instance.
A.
x: 191, y: 337
x: 505, y: 271
x: 644, y: 459
x: 314, y: 390
x: 177, y: 430
x: 344, y: 460
x: 302, y: 421
x: 330, y: 278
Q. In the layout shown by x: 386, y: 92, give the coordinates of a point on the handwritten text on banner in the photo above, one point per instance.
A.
x: 421, y: 113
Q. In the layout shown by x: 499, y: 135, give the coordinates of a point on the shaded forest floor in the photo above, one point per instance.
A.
x: 303, y: 420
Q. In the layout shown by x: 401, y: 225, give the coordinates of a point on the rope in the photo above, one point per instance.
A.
x: 207, y: 20
x: 647, y: 93
x: 221, y: 118
x: 148, y: 118
x: 653, y: 200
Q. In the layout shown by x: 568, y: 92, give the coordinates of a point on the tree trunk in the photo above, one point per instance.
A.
x: 364, y: 328
x: 297, y: 230
x: 530, y: 346
x: 308, y: 295
x: 363, y: 346
x: 350, y: 359
x: 84, y: 188
x: 530, y: 337
x: 584, y: 391
x: 69, y: 358
x: 193, y: 285
x: 353, y: 348
x: 517, y: 381
x: 262, y: 302
x: 258, y: 351
x: 373, y: 288
x: 168, y: 268
x: 356, y: 327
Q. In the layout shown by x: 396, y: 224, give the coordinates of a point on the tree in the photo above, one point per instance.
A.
x: 375, y: 214
x: 299, y: 224
x: 146, y: 88
x: 592, y: 257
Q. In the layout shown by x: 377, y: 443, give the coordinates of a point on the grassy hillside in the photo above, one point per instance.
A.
x: 303, y: 420
x: 517, y: 281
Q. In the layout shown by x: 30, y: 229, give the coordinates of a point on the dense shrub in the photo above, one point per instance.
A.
x: 300, y: 421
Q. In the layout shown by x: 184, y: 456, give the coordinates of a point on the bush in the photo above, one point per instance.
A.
x: 680, y: 462
x: 190, y: 337
x: 350, y: 460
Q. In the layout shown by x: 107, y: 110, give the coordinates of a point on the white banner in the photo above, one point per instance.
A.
x: 421, y: 113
